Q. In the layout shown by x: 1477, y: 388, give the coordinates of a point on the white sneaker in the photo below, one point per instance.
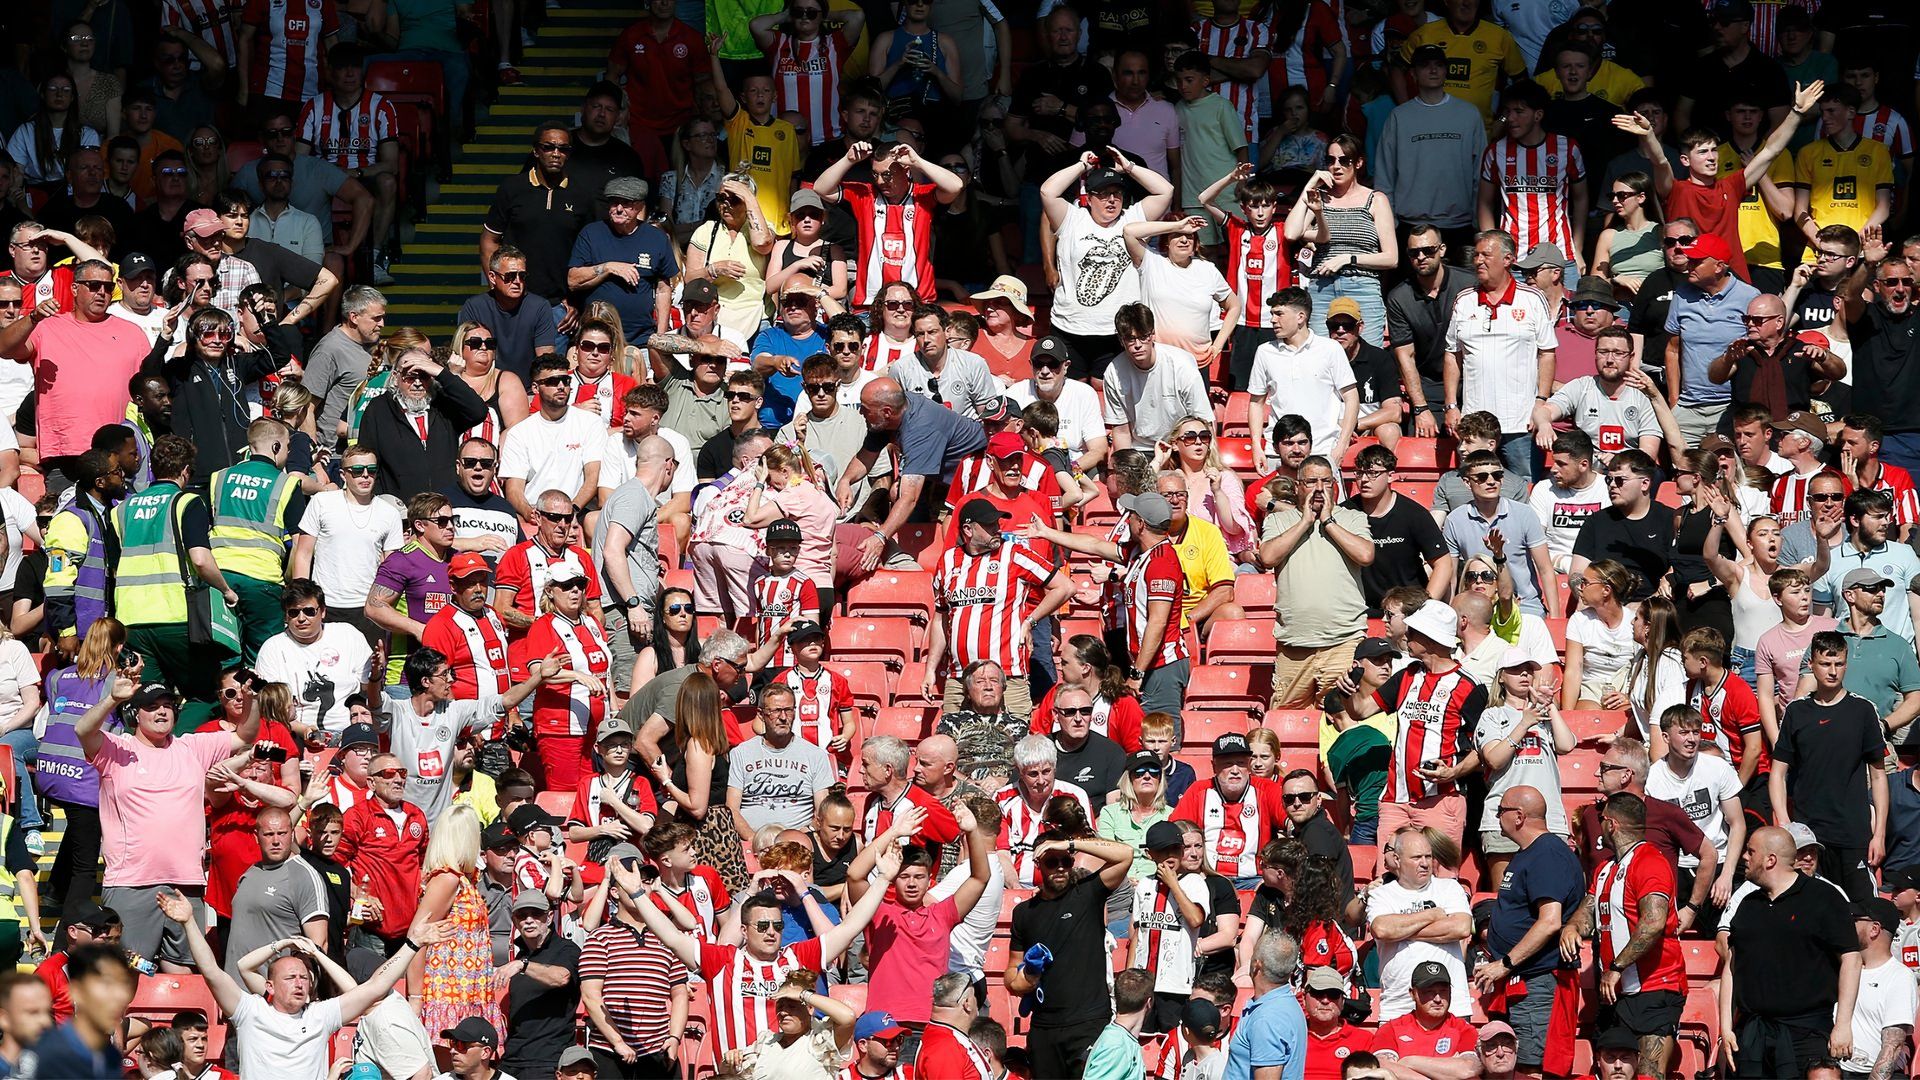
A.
x: 36, y: 843
x: 526, y: 38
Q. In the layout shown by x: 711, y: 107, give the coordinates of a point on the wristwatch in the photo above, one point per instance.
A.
x: 631, y: 603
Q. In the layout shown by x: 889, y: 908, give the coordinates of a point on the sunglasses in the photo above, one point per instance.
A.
x: 742, y: 395
x: 1482, y: 575
x: 1678, y: 241
x: 277, y: 174
x: 595, y: 347
x: 1488, y: 475
x: 1616, y: 481
x: 1424, y: 251
x: 510, y: 275
x: 221, y: 333
x: 555, y: 148
x: 391, y: 774
x: 1895, y: 281
x: 897, y: 305
x: 445, y: 521
x: 306, y: 612
x: 1084, y: 710
x: 361, y: 470
x: 844, y: 347
x: 678, y: 609
x: 97, y: 286
x: 232, y: 693
x: 553, y: 380
x: 1195, y: 436
x: 1877, y: 587
x: 821, y: 387
x: 476, y: 463
x: 1341, y: 326
x: 1827, y: 497
x: 478, y: 343
x: 1616, y: 196
x: 764, y: 925
x: 173, y: 170
x: 1299, y: 798
x: 558, y: 518
x: 1759, y: 320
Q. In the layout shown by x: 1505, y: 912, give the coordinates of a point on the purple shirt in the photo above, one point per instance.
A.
x: 421, y: 581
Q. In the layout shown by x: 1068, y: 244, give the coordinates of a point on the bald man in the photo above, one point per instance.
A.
x: 928, y: 442
x: 1772, y: 367
x: 1792, y: 969
x: 282, y: 896
x: 936, y: 770
x: 1542, y: 889
x: 626, y: 541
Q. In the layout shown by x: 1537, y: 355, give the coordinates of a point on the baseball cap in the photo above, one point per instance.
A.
x: 529, y: 816
x: 1428, y: 54
x: 358, y: 735
x: 1893, y: 881
x: 134, y: 265
x: 1437, y: 622
x: 1493, y: 1029
x: 1802, y: 422
x: 1728, y: 11
x: 473, y: 1030
x: 152, y: 694
x: 623, y: 851
x: 1792, y: 18
x: 1813, y: 337
x: 467, y: 564
x: 1143, y: 762
x: 805, y: 199
x: 1374, y: 648
x: 497, y: 836
x: 202, y: 223
x: 1866, y: 576
x: 1430, y: 973
x: 1150, y: 507
x: 625, y: 189
x: 1325, y: 978
x: 1715, y: 444
x: 84, y: 912
x: 575, y: 1056
x: 1202, y: 1017
x: 1005, y: 444
x: 999, y: 411
x: 1710, y: 245
x: 805, y: 628
x: 1802, y: 834
x: 1617, y: 1038
x: 531, y: 900
x: 1053, y: 348
x: 982, y: 513
x: 1103, y: 178
x: 785, y: 530
x: 877, y: 1025
x: 1516, y: 657
x: 1343, y: 306
x: 566, y: 568
x: 1880, y: 910
x: 1542, y: 255
x: 1162, y: 835
x: 611, y: 726
x: 1231, y: 743
x: 699, y: 293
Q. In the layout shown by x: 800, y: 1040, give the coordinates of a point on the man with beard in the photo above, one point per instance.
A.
x: 1611, y: 406
x: 1885, y: 349
x: 415, y: 427
x: 281, y: 896
x: 597, y: 155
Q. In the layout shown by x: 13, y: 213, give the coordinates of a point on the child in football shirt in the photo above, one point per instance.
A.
x: 699, y: 897
x: 823, y: 702
x: 781, y: 595
x: 1040, y: 430
x: 1256, y: 260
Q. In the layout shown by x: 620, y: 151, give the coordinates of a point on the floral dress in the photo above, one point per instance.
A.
x: 459, y: 980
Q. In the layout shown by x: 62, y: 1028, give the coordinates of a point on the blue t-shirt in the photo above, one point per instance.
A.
x: 60, y: 1054
x: 1465, y: 532
x: 931, y: 440
x: 1546, y: 870
x: 1272, y: 1031
x: 649, y: 250
x: 1706, y: 323
x: 783, y: 391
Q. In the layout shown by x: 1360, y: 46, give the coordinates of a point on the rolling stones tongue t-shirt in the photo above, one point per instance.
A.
x: 1096, y: 275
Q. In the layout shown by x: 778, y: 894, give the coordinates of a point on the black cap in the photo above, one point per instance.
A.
x: 1052, y: 347
x: 1162, y: 836
x: 1373, y: 648
x: 1202, y: 1017
x: 1728, y: 11
x: 699, y: 293
x: 1430, y: 973
x: 1231, y: 743
x: 983, y: 513
x: 1143, y: 762
x: 1617, y: 1038
x: 1427, y: 54
x: 1104, y: 178
x: 358, y: 735
x: 82, y: 911
x: 1893, y: 881
x: 136, y: 264
x: 805, y: 628
x: 1792, y: 18
x: 785, y: 530
x: 498, y: 836
x: 529, y: 816
x: 152, y: 694
x: 473, y: 1030
x: 1880, y: 910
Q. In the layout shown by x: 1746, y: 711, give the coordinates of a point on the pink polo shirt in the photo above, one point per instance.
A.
x: 153, y: 817
x: 906, y: 950
x: 80, y: 371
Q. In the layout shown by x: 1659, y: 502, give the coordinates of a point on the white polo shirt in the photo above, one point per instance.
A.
x: 1307, y: 381
x: 1498, y: 341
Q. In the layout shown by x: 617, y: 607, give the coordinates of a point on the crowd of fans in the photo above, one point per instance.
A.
x: 1323, y: 540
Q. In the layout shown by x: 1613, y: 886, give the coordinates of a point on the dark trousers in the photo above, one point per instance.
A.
x: 77, y: 863
x: 259, y: 611
x: 1785, y: 1047
x: 1091, y: 354
x: 1062, y: 1051
x: 1847, y: 868
x: 654, y: 1066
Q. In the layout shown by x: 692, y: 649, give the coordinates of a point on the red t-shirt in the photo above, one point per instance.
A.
x: 947, y: 1054
x: 1715, y: 208
x: 1325, y: 1053
x: 1407, y: 1037
x: 660, y: 74
x: 53, y: 972
x: 906, y: 951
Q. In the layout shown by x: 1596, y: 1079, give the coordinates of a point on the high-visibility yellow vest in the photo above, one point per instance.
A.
x: 249, y: 519
x: 148, y: 590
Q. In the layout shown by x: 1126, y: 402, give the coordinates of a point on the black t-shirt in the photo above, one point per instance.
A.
x: 1094, y: 768
x: 1814, y: 307
x: 1759, y: 78
x: 279, y: 267
x: 1589, y: 123
x: 832, y: 870
x: 1324, y: 839
x: 1649, y: 317
x: 1268, y: 905
x: 1787, y: 950
x: 1075, y: 84
x: 540, y: 1017
x: 1221, y: 900
x: 1074, y: 926
x: 1885, y: 352
x: 542, y: 222
x: 1378, y: 375
x: 593, y: 166
x: 1405, y: 541
x: 478, y: 515
x: 715, y: 456
x: 1644, y: 546
x: 30, y: 584
x: 1414, y: 316
x: 1828, y: 748
x: 1546, y: 870
x: 61, y: 213
x: 339, y: 888
x: 156, y: 237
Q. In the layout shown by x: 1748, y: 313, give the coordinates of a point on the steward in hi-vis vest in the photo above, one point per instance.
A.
x: 254, y: 503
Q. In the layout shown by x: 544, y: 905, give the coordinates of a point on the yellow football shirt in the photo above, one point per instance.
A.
x: 1842, y: 184
x: 1474, y: 60
x: 1612, y: 84
x: 1203, y: 555
x: 771, y: 154
x: 1759, y: 232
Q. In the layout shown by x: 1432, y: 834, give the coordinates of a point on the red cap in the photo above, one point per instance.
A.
x: 1005, y: 444
x: 1710, y: 246
x: 466, y: 564
x: 1814, y: 338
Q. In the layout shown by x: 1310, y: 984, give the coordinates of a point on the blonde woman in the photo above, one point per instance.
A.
x: 453, y: 979
x: 1214, y: 493
x: 296, y: 406
x: 476, y: 359
x: 1600, y: 639
x: 1144, y: 801
x: 1748, y: 579
x: 733, y: 252
x: 1521, y: 736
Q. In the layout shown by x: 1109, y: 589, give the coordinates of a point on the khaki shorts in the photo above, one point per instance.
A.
x: 1447, y: 813
x: 1301, y: 676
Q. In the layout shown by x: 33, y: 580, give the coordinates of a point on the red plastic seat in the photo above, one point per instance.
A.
x: 158, y: 997
x: 418, y: 82
x: 1240, y: 641
x: 893, y: 592
x: 1236, y: 453
x: 1424, y: 459
x: 242, y: 153
x: 1419, y: 491
x: 1299, y: 729
x: 1201, y: 728
x: 870, y: 682
x: 1580, y: 772
x: 557, y: 803
x: 892, y: 640
x: 1232, y: 417
x: 911, y: 725
x: 1590, y: 725
x: 1254, y: 594
x: 1229, y: 688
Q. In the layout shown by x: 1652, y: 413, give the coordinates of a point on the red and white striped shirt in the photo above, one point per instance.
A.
x: 1536, y: 187
x: 1304, y: 61
x: 1885, y: 125
x: 1236, y: 831
x: 342, y: 793
x: 1765, y: 28
x: 1790, y: 496
x: 1731, y: 711
x: 1618, y: 888
x: 1257, y: 267
x: 1020, y: 824
x: 818, y: 700
x: 775, y: 599
x: 1154, y: 576
x: 569, y: 708
x: 288, y: 49
x: 851, y: 1071
x: 882, y: 351
x: 976, y: 471
x: 1237, y: 42
x: 1163, y: 943
x: 1437, y: 716
x: 984, y: 598
x: 704, y: 897
x: 806, y: 80
x: 895, y: 239
x: 212, y: 21
x: 1898, y: 483
x: 476, y: 652
x: 348, y: 135
x: 742, y: 988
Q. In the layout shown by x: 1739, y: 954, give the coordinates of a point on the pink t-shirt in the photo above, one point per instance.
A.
x: 815, y: 512
x: 153, y: 820
x: 906, y: 950
x: 1779, y: 653
x: 81, y: 371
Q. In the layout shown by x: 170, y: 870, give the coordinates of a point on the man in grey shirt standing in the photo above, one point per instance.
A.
x: 1446, y: 136
x: 626, y: 541
x: 280, y: 897
x: 338, y: 364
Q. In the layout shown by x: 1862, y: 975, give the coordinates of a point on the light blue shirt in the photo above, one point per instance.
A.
x: 1706, y: 323
x: 1465, y: 532
x: 1272, y: 1031
x: 1115, y: 1056
x: 1896, y: 561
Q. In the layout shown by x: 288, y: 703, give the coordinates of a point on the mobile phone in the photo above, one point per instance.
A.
x: 127, y: 659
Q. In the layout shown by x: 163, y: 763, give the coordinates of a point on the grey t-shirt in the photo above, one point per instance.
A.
x: 657, y: 695
x: 424, y: 745
x: 1450, y: 491
x: 273, y: 902
x: 635, y: 509
x: 964, y: 384
x: 315, y: 181
x: 335, y: 369
x: 1465, y: 532
x: 1613, y: 423
x: 838, y: 440
x: 777, y: 787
